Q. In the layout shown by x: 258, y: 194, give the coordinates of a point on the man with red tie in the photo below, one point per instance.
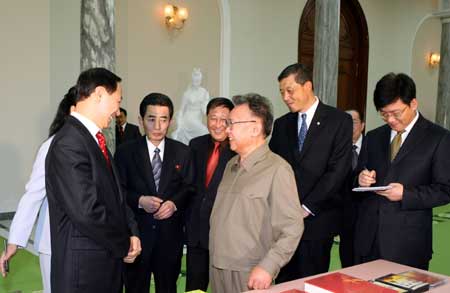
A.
x: 93, y: 231
x: 211, y: 153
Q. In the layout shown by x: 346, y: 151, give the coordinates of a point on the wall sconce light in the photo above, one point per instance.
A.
x: 175, y: 16
x: 433, y: 59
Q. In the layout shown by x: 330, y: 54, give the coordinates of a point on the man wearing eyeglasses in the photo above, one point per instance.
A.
x: 410, y: 155
x: 211, y: 152
x: 256, y: 220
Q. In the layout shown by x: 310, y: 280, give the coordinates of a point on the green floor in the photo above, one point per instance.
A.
x: 25, y: 274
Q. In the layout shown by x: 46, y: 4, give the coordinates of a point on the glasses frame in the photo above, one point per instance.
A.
x: 230, y: 123
x: 397, y: 114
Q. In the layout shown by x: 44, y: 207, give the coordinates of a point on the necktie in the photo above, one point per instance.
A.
x: 396, y: 144
x: 354, y: 157
x: 156, y: 167
x: 212, y: 163
x: 102, y: 144
x: 302, y: 132
x: 121, y: 131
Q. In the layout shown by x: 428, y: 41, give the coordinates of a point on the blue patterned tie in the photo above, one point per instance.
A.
x: 302, y: 132
x: 156, y: 168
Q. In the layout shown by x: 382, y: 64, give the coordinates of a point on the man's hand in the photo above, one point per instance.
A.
x: 134, y: 251
x: 259, y: 279
x: 150, y: 203
x: 11, y: 249
x: 165, y: 211
x: 367, y: 178
x: 393, y: 194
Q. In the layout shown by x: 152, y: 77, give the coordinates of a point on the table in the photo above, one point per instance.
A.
x: 366, y: 271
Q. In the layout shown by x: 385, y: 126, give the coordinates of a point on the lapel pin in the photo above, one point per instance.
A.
x: 318, y: 123
x: 177, y: 167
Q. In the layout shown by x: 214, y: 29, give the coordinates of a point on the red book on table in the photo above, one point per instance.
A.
x: 342, y: 283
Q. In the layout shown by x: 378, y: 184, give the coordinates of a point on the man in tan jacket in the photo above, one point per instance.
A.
x: 256, y: 222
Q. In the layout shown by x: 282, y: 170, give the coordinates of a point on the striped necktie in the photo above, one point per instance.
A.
x: 156, y: 168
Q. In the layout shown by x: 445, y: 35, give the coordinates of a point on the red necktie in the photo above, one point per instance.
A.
x: 212, y: 163
x: 121, y: 131
x: 102, y: 144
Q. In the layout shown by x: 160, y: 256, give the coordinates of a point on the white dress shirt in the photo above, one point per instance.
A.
x: 407, y: 129
x: 88, y: 123
x: 309, y: 116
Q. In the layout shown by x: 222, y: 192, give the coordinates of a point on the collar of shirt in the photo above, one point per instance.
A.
x: 407, y: 129
x: 309, y: 114
x: 89, y: 124
x: 252, y: 159
x: 358, y: 143
x: 123, y: 126
x: 151, y: 148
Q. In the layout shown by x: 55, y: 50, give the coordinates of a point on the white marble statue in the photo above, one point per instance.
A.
x: 189, y: 118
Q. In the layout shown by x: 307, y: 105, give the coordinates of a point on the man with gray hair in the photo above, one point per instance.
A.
x: 256, y: 221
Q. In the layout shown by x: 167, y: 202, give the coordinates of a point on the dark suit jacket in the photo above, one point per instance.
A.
x: 176, y: 184
x: 90, y: 222
x: 404, y: 228
x: 203, y: 200
x: 322, y: 166
x: 131, y: 132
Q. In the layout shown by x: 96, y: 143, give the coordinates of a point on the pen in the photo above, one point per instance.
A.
x: 6, y: 263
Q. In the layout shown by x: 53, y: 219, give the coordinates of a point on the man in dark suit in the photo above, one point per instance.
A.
x: 316, y: 140
x: 410, y: 154
x: 157, y: 174
x: 211, y: 153
x: 346, y: 249
x: 92, y: 229
x: 125, y: 131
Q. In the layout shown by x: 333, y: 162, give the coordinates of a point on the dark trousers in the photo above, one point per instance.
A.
x: 157, y: 260
x: 311, y: 257
x: 346, y: 250
x: 375, y: 254
x: 197, y: 266
x: 86, y: 271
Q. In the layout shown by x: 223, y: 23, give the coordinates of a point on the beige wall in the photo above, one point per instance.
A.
x: 152, y: 59
x: 264, y: 40
x: 392, y: 28
x: 427, y: 40
x: 24, y: 80
x: 39, y: 58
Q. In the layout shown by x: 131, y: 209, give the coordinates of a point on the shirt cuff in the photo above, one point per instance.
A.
x: 308, y: 210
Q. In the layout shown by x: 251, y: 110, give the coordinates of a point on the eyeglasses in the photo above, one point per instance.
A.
x: 396, y: 114
x: 230, y: 123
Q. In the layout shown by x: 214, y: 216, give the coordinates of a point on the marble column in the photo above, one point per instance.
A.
x: 326, y: 50
x: 443, y: 98
x: 98, y: 44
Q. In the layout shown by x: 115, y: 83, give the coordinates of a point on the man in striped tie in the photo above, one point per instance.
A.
x: 157, y: 175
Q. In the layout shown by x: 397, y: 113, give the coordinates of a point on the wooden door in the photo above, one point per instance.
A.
x: 353, y: 52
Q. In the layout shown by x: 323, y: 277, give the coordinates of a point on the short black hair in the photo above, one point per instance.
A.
x: 302, y: 73
x: 94, y: 77
x: 123, y: 111
x: 393, y: 87
x: 361, y: 117
x: 219, y: 102
x: 155, y: 99
x: 260, y: 107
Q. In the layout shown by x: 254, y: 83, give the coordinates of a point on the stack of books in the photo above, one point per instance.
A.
x: 405, y: 282
x: 342, y: 283
x: 411, y: 281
